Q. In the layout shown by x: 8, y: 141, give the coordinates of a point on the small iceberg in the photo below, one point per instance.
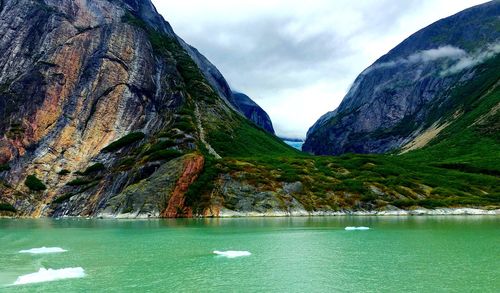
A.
x: 357, y: 228
x: 49, y: 275
x: 232, y: 254
x: 43, y: 250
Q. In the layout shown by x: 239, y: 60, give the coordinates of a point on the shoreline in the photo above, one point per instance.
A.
x: 391, y: 213
x: 227, y: 214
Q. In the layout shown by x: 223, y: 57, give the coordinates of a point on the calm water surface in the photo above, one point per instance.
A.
x: 424, y: 254
x: 295, y: 144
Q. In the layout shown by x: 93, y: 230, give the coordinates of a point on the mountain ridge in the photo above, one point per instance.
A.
x: 403, y: 84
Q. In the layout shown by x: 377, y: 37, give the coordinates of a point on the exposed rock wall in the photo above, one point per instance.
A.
x: 253, y: 111
x: 176, y: 204
x: 74, y: 77
x: 390, y: 103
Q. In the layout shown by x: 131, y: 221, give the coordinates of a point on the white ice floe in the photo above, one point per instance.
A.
x: 356, y: 228
x: 232, y: 254
x: 43, y: 250
x: 49, y: 275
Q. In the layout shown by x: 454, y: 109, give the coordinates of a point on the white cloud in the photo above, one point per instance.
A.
x: 444, y: 52
x: 462, y: 59
x: 471, y: 60
x: 298, y: 58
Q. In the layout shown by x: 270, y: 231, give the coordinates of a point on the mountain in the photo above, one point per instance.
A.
x: 253, y: 111
x: 408, y: 96
x: 104, y: 110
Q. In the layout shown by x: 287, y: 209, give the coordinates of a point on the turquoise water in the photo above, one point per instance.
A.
x: 414, y: 254
x: 295, y: 144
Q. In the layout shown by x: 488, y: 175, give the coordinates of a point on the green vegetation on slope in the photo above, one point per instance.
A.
x: 79, y: 182
x: 124, y: 141
x: 64, y: 172
x: 5, y: 207
x: 94, y: 169
x: 4, y: 167
x: 34, y: 183
x: 245, y: 139
x: 165, y: 155
x: 198, y: 194
x: 63, y: 198
x: 367, y: 181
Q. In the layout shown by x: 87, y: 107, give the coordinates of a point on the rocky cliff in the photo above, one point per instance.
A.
x: 103, y: 109
x: 405, y: 94
x: 253, y: 111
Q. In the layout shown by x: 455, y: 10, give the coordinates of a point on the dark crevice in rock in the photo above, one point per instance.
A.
x: 117, y: 60
x: 82, y: 30
x: 96, y: 101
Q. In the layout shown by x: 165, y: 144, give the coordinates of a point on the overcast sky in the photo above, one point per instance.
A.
x: 296, y: 58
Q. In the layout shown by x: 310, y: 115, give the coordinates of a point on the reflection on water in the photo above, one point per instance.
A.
x: 278, y: 222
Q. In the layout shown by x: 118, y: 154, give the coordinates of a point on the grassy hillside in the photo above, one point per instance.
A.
x: 369, y: 181
x: 248, y: 140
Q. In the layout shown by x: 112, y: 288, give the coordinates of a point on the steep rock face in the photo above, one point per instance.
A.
x: 253, y: 111
x: 74, y: 78
x: 401, y: 95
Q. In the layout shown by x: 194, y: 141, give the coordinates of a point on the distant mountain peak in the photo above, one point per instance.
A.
x: 253, y: 111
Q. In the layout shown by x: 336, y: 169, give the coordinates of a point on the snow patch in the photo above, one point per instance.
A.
x: 357, y: 228
x: 232, y: 254
x: 49, y: 275
x: 43, y: 250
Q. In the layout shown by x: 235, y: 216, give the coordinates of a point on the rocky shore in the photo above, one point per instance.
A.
x: 415, y: 212
x: 225, y: 213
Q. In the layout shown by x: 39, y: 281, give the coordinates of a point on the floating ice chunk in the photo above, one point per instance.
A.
x: 49, y: 275
x: 232, y: 254
x: 356, y: 228
x: 43, y: 250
